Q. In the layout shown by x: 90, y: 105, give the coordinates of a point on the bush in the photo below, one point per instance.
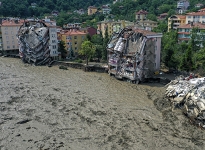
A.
x: 78, y: 61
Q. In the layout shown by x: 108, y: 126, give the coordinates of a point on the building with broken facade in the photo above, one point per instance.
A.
x: 134, y: 54
x: 33, y: 38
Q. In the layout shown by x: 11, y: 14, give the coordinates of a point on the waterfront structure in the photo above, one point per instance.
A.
x: 92, y: 10
x: 182, y: 6
x: 184, y: 31
x: 175, y: 21
x: 73, y: 39
x: 9, y: 29
x: 134, y: 54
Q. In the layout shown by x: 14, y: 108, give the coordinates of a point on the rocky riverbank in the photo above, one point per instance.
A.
x: 49, y: 108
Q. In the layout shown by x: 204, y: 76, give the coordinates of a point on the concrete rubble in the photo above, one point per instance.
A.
x: 33, y: 39
x: 132, y: 55
x: 189, y: 94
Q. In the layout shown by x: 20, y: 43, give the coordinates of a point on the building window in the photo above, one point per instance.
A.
x: 53, y: 41
x: 82, y: 37
x: 75, y: 37
x: 13, y: 46
x: 7, y: 37
x: 6, y: 32
x: 54, y: 46
x: 6, y: 28
x: 76, y: 48
x: 7, y: 42
x: 12, y: 32
x: 12, y: 42
x: 189, y: 16
x: 12, y: 37
x: 75, y: 42
x: 203, y: 16
x: 8, y: 47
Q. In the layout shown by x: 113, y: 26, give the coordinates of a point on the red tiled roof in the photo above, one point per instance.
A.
x: 141, y: 12
x: 200, y: 13
x: 183, y: 33
x: 73, y: 32
x: 181, y: 16
x: 195, y: 25
x: 12, y: 23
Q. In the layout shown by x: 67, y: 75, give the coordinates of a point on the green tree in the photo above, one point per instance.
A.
x: 187, y: 62
x: 62, y: 49
x: 87, y: 49
x: 105, y: 41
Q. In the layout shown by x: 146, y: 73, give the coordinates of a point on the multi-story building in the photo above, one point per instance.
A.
x: 9, y: 28
x: 141, y: 15
x: 199, y: 5
x: 175, y: 21
x: 112, y: 26
x: 92, y: 10
x: 195, y: 17
x: 106, y: 9
x: 147, y: 24
x: 182, y: 6
x: 1, y: 48
x: 73, y: 39
x: 184, y: 31
x: 53, y: 41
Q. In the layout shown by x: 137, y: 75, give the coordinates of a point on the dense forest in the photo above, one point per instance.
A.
x: 23, y: 8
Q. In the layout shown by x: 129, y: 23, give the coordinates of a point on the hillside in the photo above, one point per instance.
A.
x: 23, y: 8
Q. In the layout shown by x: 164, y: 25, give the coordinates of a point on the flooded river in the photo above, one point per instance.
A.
x: 44, y: 108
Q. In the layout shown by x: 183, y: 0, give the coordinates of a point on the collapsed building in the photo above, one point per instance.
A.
x: 33, y: 37
x: 134, y: 54
x: 188, y: 94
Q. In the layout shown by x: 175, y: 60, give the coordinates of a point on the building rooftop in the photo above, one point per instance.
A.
x: 147, y: 32
x: 73, y: 32
x: 92, y: 7
x: 142, y: 12
x: 12, y: 22
x: 200, y: 13
x: 194, y: 25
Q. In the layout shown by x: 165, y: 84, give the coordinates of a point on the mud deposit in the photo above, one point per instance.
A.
x: 44, y: 108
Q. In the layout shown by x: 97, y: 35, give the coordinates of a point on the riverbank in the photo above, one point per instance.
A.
x: 47, y: 108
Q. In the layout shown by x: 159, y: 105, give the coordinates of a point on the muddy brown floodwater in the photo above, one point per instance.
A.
x: 44, y: 108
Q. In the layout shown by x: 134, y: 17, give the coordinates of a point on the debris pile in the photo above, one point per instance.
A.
x: 33, y: 37
x: 133, y: 54
x: 189, y: 94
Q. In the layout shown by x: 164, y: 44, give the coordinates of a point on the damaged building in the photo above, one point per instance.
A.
x: 189, y: 95
x: 134, y: 54
x: 36, y: 43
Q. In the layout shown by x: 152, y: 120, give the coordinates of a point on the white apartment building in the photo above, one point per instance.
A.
x: 195, y: 17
